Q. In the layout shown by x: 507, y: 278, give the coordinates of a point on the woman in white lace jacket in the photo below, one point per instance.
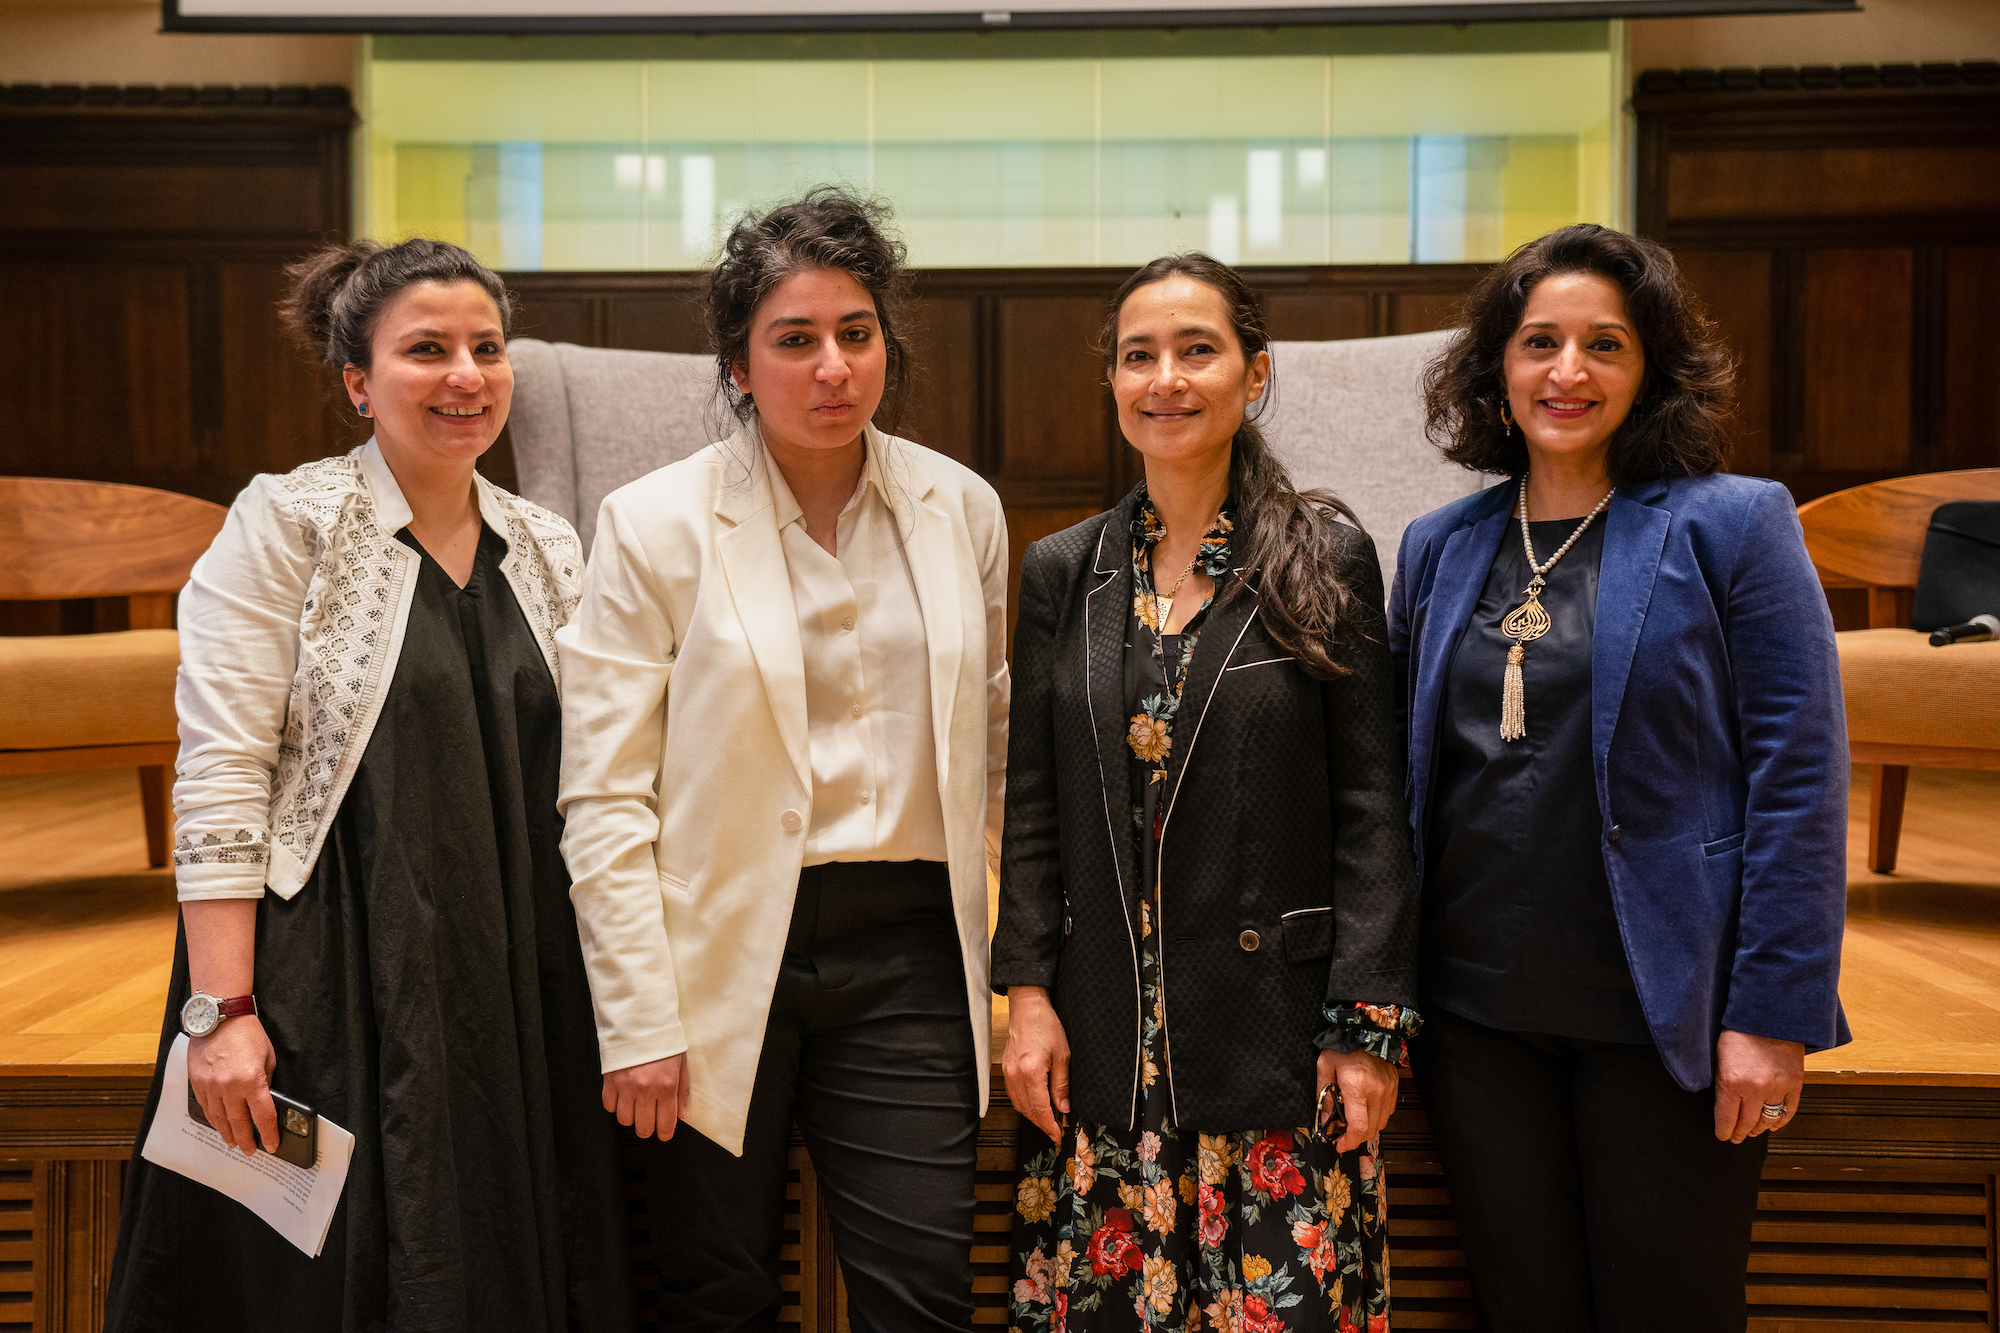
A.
x: 375, y: 915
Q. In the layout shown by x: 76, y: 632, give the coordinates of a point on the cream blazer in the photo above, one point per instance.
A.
x: 686, y: 775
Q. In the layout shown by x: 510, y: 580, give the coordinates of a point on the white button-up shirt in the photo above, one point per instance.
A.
x: 868, y: 689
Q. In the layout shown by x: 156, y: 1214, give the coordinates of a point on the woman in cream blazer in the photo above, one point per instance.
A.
x: 779, y: 846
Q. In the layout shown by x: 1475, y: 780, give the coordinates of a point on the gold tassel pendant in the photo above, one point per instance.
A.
x: 1524, y: 624
x: 1514, y: 698
x: 1529, y: 621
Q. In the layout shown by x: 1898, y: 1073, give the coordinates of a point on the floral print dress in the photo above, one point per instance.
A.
x: 1263, y: 1230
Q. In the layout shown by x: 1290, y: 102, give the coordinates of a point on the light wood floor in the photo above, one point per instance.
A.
x: 1920, y: 973
x: 87, y: 933
x: 86, y: 930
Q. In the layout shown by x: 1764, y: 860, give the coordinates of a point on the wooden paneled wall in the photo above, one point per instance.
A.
x: 1842, y: 225
x: 1843, y: 228
x: 142, y: 236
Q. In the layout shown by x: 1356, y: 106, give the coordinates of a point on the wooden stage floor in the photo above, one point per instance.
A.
x: 1879, y: 1203
x: 87, y: 933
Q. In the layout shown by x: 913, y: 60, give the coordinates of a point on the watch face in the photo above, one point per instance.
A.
x: 199, y: 1015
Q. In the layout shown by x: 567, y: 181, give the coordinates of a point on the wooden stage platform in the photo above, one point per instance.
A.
x: 1879, y: 1204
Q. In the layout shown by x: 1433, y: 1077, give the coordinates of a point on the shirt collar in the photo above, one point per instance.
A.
x: 785, y: 505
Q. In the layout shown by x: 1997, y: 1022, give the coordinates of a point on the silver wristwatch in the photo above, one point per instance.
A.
x: 203, y: 1013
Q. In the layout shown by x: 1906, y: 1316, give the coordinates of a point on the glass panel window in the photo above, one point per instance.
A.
x: 1361, y: 154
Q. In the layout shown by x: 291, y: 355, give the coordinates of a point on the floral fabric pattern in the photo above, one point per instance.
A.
x: 1382, y: 1030
x: 1151, y: 732
x: 1259, y: 1231
x: 1267, y: 1230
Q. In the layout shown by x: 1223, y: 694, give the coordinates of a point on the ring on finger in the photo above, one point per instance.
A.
x: 1775, y: 1110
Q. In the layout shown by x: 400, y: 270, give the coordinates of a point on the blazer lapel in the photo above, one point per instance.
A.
x: 1107, y: 602
x: 760, y: 586
x: 1459, y: 578
x: 1635, y: 534
x: 934, y: 568
x: 1223, y: 632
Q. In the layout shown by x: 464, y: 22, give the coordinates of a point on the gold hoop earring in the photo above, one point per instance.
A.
x: 1506, y: 417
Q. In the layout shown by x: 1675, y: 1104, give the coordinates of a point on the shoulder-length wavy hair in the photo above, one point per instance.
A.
x: 1305, y: 594
x: 1677, y: 422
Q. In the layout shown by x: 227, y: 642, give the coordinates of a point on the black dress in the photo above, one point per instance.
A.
x: 424, y: 990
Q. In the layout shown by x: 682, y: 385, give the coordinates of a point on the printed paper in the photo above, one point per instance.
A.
x: 297, y: 1203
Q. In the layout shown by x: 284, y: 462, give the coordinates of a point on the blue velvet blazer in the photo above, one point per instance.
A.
x: 1718, y: 737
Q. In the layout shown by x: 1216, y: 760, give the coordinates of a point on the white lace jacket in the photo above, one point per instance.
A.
x: 290, y: 628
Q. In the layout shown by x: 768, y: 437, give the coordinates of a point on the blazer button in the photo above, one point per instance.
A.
x: 1249, y: 940
x: 791, y: 821
x: 1616, y: 835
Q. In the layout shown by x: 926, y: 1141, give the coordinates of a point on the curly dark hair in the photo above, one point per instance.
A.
x: 828, y: 228
x: 1677, y: 422
x: 338, y: 292
x: 1305, y: 598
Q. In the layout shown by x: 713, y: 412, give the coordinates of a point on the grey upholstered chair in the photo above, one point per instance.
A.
x: 1349, y: 416
x: 586, y: 420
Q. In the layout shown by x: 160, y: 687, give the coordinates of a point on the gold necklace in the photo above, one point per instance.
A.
x: 1164, y: 606
x: 1529, y: 621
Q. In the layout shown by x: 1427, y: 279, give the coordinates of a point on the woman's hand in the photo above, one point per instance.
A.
x: 1037, y: 1060
x: 1366, y: 1085
x: 651, y: 1098
x: 1751, y: 1073
x: 229, y: 1071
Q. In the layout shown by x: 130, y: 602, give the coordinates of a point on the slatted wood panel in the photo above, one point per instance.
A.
x: 993, y: 1218
x: 1838, y: 1247
x: 1427, y: 1283
x: 22, y: 1263
x: 1841, y: 1246
x: 58, y: 1226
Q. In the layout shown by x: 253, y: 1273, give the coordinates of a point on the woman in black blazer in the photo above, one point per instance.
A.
x: 1203, y: 701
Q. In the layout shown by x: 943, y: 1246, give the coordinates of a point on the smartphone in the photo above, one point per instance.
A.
x: 298, y: 1128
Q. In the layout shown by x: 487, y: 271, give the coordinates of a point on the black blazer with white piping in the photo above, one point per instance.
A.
x: 1286, y: 870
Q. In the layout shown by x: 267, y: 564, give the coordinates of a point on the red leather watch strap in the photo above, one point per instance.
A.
x: 242, y: 1004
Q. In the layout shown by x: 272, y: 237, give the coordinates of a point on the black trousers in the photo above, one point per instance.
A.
x: 1590, y: 1190
x: 870, y: 1050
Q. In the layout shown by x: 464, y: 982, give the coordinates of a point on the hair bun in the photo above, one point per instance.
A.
x: 316, y: 280
x: 338, y: 292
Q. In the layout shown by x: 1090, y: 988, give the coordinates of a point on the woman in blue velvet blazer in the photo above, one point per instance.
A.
x: 1627, y: 788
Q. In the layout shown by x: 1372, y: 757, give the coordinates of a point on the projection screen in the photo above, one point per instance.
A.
x: 521, y: 16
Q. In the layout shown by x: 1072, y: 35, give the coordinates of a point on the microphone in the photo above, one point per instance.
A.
x: 1976, y: 630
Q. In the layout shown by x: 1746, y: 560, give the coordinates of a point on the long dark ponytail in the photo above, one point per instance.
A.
x: 1295, y: 547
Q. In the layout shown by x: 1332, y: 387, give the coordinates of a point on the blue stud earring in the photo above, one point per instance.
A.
x: 362, y: 408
